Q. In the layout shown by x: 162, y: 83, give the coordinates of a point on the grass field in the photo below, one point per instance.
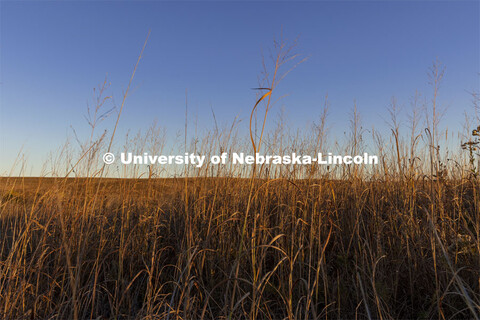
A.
x: 173, y: 248
x: 397, y: 240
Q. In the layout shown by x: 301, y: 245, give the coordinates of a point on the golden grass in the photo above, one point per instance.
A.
x: 399, y: 240
x: 322, y: 249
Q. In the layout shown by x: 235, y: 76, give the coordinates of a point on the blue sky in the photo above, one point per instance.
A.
x: 54, y: 53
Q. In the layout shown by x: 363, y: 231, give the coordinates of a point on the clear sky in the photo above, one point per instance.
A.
x: 54, y: 53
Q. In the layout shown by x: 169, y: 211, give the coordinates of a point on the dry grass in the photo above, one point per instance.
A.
x: 400, y: 240
x: 130, y: 248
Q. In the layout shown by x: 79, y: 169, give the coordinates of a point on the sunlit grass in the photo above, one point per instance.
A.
x: 398, y: 240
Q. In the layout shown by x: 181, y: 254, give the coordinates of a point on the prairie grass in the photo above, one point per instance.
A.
x: 397, y: 240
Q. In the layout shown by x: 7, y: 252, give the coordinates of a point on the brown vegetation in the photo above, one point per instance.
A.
x: 398, y: 240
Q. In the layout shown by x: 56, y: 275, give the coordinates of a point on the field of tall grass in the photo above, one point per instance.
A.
x: 397, y: 240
